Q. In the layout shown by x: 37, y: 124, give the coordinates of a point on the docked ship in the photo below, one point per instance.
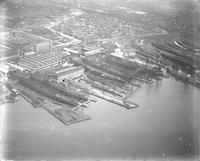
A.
x: 184, y: 76
x: 109, y: 97
x: 78, y: 96
x: 39, y: 88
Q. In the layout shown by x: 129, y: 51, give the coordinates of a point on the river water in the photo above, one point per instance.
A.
x: 164, y: 126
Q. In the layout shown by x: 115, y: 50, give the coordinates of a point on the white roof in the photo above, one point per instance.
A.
x: 4, y: 68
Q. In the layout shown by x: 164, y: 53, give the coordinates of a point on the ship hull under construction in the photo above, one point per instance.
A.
x: 38, y: 87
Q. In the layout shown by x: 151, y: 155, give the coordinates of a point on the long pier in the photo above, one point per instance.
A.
x: 64, y: 114
x: 129, y: 105
x: 61, y: 117
x: 30, y: 100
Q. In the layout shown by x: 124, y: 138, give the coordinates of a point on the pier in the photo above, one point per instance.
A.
x: 126, y: 104
x: 64, y: 113
x: 66, y: 116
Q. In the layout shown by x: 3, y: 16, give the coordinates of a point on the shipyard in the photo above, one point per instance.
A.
x: 126, y: 71
x: 109, y: 77
x: 69, y: 69
x: 45, y: 75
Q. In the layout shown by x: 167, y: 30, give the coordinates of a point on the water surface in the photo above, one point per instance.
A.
x: 165, y: 125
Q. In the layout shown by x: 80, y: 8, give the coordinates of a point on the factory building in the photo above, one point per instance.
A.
x: 8, y: 55
x: 4, y: 69
x: 39, y: 62
x: 92, y: 52
x: 43, y: 47
x: 64, y: 73
x: 18, y: 44
x: 41, y: 44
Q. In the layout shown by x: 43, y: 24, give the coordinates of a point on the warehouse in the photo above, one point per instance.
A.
x: 65, y: 73
x: 39, y: 62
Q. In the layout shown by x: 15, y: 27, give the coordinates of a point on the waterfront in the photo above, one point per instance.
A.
x: 164, y: 125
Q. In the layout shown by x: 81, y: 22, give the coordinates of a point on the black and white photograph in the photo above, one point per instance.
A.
x: 100, y: 80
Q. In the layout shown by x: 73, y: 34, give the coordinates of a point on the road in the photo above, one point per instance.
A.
x: 130, y: 37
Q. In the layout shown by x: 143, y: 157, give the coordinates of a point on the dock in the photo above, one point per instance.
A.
x: 126, y: 104
x: 30, y: 99
x: 65, y: 116
x: 64, y: 113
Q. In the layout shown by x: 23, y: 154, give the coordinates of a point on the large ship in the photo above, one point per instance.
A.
x: 38, y: 87
x: 122, y: 102
x: 79, y: 96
